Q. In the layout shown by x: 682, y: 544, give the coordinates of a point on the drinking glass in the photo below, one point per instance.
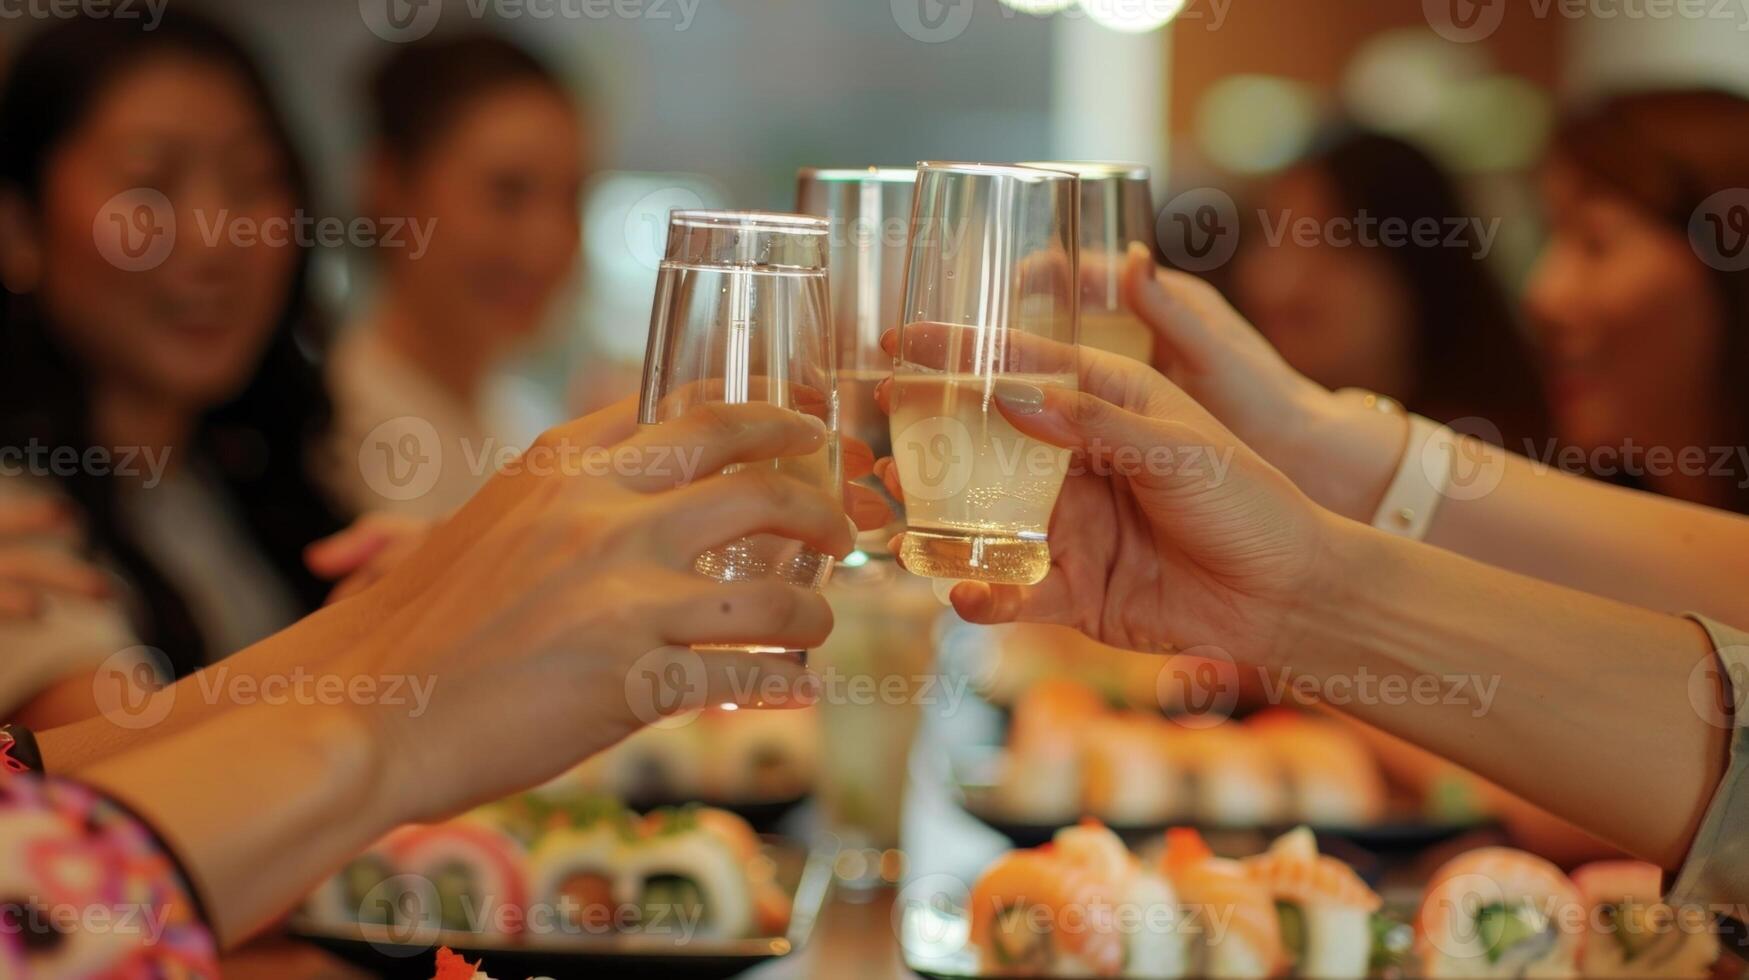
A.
x: 990, y: 308
x: 742, y: 315
x: 1116, y: 209
x: 869, y: 213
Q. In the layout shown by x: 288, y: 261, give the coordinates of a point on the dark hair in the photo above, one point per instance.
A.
x: 258, y: 443
x: 420, y: 90
x: 1472, y: 359
x: 1667, y: 152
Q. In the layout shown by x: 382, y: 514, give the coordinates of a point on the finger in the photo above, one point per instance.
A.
x: 868, y: 510
x: 1114, y: 441
x: 883, y: 393
x: 605, y: 427
x: 339, y: 555
x: 52, y: 570
x: 1194, y: 327
x: 36, y: 515
x: 888, y: 472
x: 856, y: 457
x: 711, y: 513
x: 986, y: 604
x: 713, y: 436
x: 764, y: 613
x: 19, y: 603
x: 951, y: 348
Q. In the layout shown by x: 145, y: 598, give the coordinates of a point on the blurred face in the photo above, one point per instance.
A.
x: 500, y: 192
x: 1629, y: 326
x: 1336, y: 312
x: 177, y: 314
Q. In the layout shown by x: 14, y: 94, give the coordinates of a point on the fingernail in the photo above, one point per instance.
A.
x: 890, y: 341
x: 1020, y: 398
x: 818, y: 422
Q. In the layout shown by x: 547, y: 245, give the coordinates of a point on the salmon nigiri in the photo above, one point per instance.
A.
x: 1633, y: 932
x: 1499, y: 912
x: 1324, y: 908
x: 1147, y: 915
x: 1230, y: 919
x: 1035, y: 915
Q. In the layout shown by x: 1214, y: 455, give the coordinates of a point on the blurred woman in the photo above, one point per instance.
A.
x: 1645, y: 343
x: 1429, y: 326
x: 479, y: 155
x: 155, y: 368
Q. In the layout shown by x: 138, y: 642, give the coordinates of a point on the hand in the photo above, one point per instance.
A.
x: 1152, y: 547
x: 526, y: 611
x: 1340, y: 453
x: 359, y: 556
x: 31, y: 567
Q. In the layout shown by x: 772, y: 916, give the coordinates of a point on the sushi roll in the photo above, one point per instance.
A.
x: 1633, y: 933
x: 1325, y: 910
x: 697, y: 872
x: 1499, y: 912
x: 1130, y: 773
x: 574, y: 872
x: 347, y: 895
x: 1234, y: 778
x: 654, y: 765
x: 1230, y: 922
x: 1146, y: 914
x: 476, y: 873
x: 1036, y: 915
x: 759, y: 755
x: 1040, y: 778
x: 1333, y: 780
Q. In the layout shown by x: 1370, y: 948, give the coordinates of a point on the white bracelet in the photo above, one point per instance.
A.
x: 1423, y: 477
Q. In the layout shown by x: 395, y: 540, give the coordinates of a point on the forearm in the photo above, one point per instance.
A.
x: 259, y: 804
x: 1622, y: 544
x: 1578, y: 703
x: 189, y: 702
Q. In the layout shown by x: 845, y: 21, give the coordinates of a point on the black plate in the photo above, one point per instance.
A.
x: 375, y: 949
x: 762, y: 815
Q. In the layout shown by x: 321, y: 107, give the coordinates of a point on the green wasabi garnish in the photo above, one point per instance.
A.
x: 1502, y: 928
x: 1293, y: 929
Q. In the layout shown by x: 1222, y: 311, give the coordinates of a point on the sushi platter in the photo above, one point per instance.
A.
x: 533, y: 887
x: 1086, y: 906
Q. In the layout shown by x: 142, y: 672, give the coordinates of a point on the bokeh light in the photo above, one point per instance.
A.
x: 1252, y: 124
x: 1132, y: 16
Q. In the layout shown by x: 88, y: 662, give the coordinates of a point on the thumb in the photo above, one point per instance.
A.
x: 1115, y: 441
x: 341, y: 554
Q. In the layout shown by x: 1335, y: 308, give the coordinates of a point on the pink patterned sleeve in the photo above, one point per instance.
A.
x: 87, y: 890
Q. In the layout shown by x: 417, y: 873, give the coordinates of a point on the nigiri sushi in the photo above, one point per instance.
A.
x: 1324, y: 908
x: 1230, y: 919
x: 1130, y: 770
x: 1036, y: 915
x: 1146, y: 914
x: 1633, y: 933
x: 1333, y: 780
x: 1236, y: 781
x: 1499, y: 912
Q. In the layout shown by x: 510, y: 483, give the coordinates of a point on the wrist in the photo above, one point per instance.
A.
x: 1348, y: 455
x: 1347, y: 562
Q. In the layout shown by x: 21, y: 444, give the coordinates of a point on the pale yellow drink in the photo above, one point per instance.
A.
x: 978, y: 492
x: 1117, y: 331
